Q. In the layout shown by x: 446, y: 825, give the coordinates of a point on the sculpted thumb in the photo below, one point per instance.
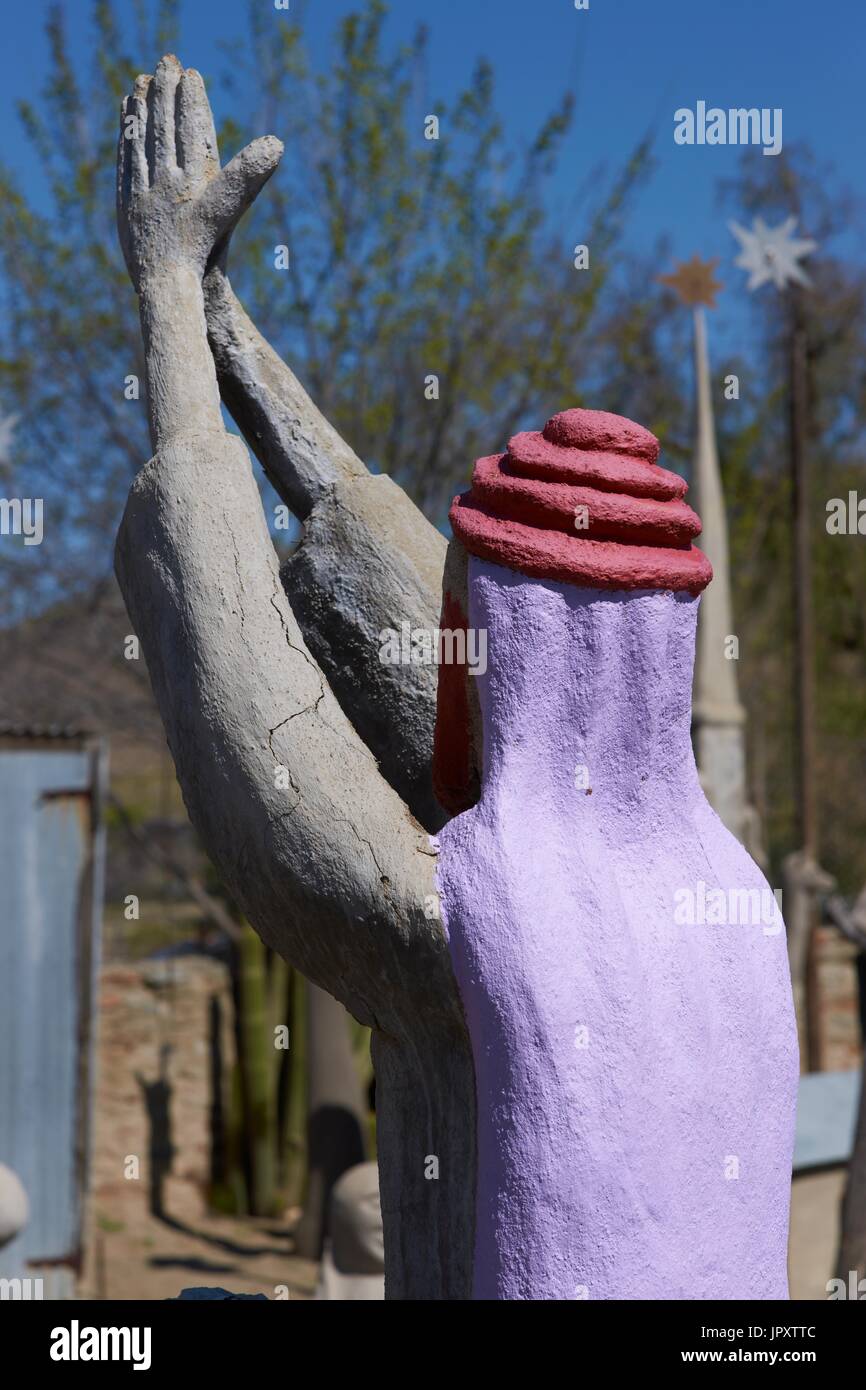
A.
x: 234, y: 188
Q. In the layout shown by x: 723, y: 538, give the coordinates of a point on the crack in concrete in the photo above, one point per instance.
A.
x: 307, y: 709
x: 289, y: 717
x: 289, y: 643
x: 285, y: 815
x: 383, y: 877
x: 237, y: 570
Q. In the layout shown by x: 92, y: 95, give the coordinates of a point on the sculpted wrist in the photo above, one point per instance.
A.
x: 183, y: 396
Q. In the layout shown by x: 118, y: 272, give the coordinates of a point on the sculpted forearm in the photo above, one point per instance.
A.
x: 301, y: 453
x: 182, y: 391
x: 368, y: 562
x: 285, y: 796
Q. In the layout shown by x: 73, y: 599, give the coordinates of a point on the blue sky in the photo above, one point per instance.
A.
x: 630, y: 64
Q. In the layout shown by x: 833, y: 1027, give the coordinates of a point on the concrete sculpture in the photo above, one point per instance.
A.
x: 305, y: 767
x: 636, y: 1065
x: 301, y: 757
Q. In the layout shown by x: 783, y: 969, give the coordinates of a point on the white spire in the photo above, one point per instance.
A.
x: 718, y: 715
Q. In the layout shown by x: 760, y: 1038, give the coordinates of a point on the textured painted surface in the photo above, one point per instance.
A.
x: 551, y: 505
x: 584, y: 501
x: 627, y: 1066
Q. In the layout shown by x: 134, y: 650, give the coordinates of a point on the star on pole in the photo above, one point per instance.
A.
x: 771, y: 254
x: 693, y: 281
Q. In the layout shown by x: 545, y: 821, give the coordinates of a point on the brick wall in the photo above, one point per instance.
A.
x: 165, y: 1053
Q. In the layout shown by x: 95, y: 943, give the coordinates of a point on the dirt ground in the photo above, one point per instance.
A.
x: 134, y: 1254
x: 155, y: 1258
x: 815, y: 1207
x: 137, y: 1256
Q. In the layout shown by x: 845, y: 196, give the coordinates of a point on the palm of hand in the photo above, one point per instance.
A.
x: 174, y: 202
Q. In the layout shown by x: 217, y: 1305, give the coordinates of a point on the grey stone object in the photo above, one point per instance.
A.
x: 367, y: 561
x: 14, y: 1206
x: 300, y: 777
x: 353, y: 1263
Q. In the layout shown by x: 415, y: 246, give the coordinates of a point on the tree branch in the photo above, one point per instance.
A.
x: 210, y: 906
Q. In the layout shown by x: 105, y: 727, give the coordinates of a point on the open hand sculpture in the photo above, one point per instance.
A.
x: 174, y: 205
x: 305, y: 763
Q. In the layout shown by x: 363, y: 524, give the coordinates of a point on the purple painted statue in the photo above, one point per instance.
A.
x: 621, y: 959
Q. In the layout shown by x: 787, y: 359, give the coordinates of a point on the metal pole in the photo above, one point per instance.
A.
x: 805, y: 657
x: 805, y: 637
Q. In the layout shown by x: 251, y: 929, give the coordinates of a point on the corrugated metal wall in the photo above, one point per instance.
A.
x: 51, y: 873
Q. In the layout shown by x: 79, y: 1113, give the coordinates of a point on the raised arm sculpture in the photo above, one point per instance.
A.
x: 621, y: 1059
x: 319, y: 850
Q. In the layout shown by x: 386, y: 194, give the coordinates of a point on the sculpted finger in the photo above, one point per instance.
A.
x: 196, y: 134
x: 123, y: 158
x: 161, y: 134
x: 235, y: 187
x: 131, y: 171
x: 131, y: 158
x: 134, y: 135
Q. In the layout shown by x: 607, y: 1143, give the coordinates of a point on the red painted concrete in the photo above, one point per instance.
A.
x: 523, y: 510
x: 455, y: 783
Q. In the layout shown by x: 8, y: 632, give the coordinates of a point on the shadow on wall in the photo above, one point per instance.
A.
x: 157, y: 1101
x: 218, y: 1115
